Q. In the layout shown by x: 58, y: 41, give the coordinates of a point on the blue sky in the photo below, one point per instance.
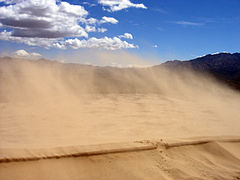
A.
x: 159, y: 29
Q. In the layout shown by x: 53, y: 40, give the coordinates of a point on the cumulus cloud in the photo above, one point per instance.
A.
x: 94, y: 29
x: 56, y: 23
x: 90, y: 28
x: 117, y: 5
x: 126, y: 36
x: 33, y: 41
x: 104, y: 43
x: 43, y: 19
x: 89, y: 4
x: 90, y: 21
x: 102, y: 30
x: 108, y: 20
x: 9, y: 1
x: 93, y: 21
x: 26, y: 55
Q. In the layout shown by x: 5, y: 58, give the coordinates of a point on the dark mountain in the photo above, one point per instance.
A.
x: 223, y: 66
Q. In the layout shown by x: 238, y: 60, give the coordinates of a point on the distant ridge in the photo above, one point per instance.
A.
x: 223, y: 66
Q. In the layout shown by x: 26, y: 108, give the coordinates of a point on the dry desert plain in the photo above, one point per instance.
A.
x: 65, y: 121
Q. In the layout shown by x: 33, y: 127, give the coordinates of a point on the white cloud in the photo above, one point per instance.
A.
x: 104, y: 43
x: 89, y: 4
x: 188, y: 23
x: 43, y: 19
x: 126, y: 36
x: 90, y: 28
x: 94, y: 29
x: 117, y: 5
x: 102, y: 30
x: 91, y: 21
x: 26, y: 55
x: 33, y: 41
x: 155, y: 46
x: 21, y: 53
x: 48, y: 23
x: 74, y: 10
x: 8, y: 1
x: 108, y: 20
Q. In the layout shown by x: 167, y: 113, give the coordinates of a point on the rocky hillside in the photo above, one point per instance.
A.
x: 224, y: 66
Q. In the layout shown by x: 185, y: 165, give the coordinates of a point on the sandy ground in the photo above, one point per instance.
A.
x: 209, y: 160
x: 113, y: 118
x: 46, y: 106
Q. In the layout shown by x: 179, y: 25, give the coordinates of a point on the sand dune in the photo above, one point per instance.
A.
x: 54, y: 110
x: 203, y: 158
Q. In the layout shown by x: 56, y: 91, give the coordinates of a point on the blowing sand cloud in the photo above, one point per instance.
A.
x: 47, y: 104
x: 50, y: 109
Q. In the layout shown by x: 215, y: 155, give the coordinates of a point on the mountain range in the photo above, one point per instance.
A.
x: 223, y: 66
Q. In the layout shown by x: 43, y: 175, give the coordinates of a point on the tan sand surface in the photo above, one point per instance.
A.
x: 209, y: 160
x: 113, y: 118
x: 47, y: 105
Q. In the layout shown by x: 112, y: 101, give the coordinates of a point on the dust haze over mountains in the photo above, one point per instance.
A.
x: 47, y: 104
